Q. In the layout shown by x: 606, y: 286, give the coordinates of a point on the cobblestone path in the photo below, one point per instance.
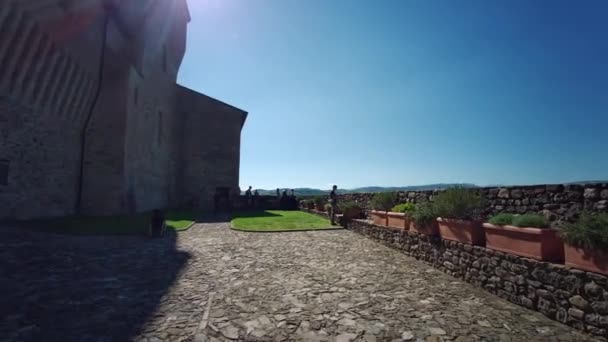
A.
x: 211, y: 283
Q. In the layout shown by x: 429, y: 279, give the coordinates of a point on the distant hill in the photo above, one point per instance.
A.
x: 315, y: 192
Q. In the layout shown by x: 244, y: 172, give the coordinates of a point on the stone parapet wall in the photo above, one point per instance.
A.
x: 557, y: 202
x: 573, y: 297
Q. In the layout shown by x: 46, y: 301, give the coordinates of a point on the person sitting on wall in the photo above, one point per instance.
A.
x: 248, y: 197
x: 256, y: 199
x: 293, y: 201
x: 284, y: 200
x: 157, y: 223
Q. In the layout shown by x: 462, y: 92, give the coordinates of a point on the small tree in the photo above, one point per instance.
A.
x: 384, y: 201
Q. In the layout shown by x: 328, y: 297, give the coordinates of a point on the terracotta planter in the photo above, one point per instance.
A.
x: 534, y: 243
x: 591, y: 260
x: 398, y: 220
x: 311, y: 206
x: 430, y: 228
x: 470, y: 232
x: 380, y: 218
x: 320, y: 207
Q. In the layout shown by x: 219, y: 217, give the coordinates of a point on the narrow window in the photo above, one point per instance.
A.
x: 4, y: 172
x: 136, y: 96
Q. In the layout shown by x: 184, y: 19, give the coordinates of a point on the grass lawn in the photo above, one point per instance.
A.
x: 279, y: 221
x: 111, y: 225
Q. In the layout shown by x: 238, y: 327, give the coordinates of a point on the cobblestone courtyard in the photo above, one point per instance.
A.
x: 211, y: 283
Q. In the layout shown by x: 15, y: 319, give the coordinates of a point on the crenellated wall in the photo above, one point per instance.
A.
x: 558, y: 202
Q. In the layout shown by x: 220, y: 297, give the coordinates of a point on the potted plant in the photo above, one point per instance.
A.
x: 459, y: 216
x: 586, y: 243
x: 381, y: 203
x: 319, y: 202
x: 310, y: 204
x: 400, y: 215
x: 351, y: 210
x: 424, y: 220
x: 525, y: 235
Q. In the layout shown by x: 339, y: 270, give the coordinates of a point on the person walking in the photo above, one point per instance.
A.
x: 333, y: 202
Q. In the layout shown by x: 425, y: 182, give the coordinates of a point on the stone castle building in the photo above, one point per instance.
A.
x: 91, y: 119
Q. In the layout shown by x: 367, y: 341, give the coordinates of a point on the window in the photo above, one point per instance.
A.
x: 136, y: 95
x: 4, y: 172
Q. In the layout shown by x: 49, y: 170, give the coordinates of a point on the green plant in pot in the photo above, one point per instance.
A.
x: 400, y: 215
x: 424, y: 219
x: 351, y: 210
x: 459, y: 213
x: 586, y: 242
x: 524, y: 235
x: 381, y: 203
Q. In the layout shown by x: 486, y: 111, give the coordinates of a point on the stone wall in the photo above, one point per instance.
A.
x: 556, y: 202
x: 573, y: 297
x: 211, y: 140
x: 52, y: 56
x: 47, y: 81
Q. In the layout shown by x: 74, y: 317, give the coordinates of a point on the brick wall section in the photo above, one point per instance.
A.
x: 570, y: 296
x: 555, y: 201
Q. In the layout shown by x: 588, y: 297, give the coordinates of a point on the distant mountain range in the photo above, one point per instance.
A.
x: 437, y: 186
x: 314, y: 192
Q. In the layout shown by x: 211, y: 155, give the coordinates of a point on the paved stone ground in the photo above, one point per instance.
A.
x: 211, y: 283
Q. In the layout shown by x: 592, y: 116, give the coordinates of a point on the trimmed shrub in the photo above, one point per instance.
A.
x: 407, y: 208
x: 319, y: 201
x: 502, y: 219
x: 590, y: 231
x: 459, y: 204
x: 384, y: 201
x: 530, y: 220
x: 424, y: 214
x: 327, y: 207
x: 351, y: 210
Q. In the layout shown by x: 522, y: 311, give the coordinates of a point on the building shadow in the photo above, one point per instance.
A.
x: 82, y: 288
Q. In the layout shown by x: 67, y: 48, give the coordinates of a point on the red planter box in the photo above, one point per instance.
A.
x: 398, y: 220
x: 586, y: 259
x: 470, y: 232
x: 380, y: 218
x: 535, y: 243
x: 429, y: 229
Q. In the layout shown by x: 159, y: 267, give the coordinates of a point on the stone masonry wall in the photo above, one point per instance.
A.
x: 557, y: 202
x: 211, y: 140
x: 573, y: 297
x: 47, y: 82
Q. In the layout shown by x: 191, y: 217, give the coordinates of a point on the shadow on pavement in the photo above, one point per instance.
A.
x: 70, y: 288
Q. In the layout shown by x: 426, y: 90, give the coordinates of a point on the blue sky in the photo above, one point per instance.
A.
x: 408, y: 92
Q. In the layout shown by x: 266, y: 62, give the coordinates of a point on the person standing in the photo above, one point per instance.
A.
x: 333, y: 202
x: 248, y: 197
